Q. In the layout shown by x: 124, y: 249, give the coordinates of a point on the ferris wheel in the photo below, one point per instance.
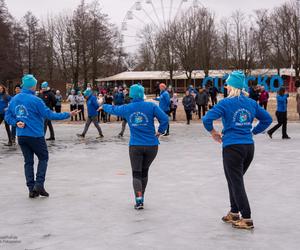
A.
x: 157, y: 13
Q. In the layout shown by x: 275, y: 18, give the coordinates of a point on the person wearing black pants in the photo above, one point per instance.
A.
x: 189, y: 105
x: 236, y: 161
x: 143, y: 145
x: 80, y: 101
x: 201, y: 101
x: 281, y: 114
x: 4, y: 101
x: 238, y: 113
x: 141, y: 158
x: 49, y: 99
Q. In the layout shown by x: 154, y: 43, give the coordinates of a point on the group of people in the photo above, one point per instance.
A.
x: 28, y: 113
x: 260, y: 95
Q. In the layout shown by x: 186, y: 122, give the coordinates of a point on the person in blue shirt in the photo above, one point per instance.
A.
x: 281, y: 114
x: 143, y: 145
x: 92, y: 108
x: 119, y: 99
x: 4, y: 101
x: 28, y: 112
x: 238, y: 113
x: 164, y: 103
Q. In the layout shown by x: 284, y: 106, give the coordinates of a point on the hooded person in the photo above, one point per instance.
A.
x: 49, y: 99
x: 144, y: 140
x: 238, y: 113
x: 164, y: 102
x: 92, y: 109
x: 28, y: 112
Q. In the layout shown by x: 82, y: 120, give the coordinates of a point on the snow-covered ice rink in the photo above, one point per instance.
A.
x: 91, y: 196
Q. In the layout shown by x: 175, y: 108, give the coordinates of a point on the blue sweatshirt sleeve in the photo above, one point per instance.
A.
x: 95, y: 103
x: 214, y: 114
x: 115, y: 110
x: 10, y: 118
x: 46, y: 113
x: 264, y: 118
x: 162, y: 118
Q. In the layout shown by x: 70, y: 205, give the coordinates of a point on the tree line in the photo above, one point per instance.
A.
x: 69, y: 48
x: 196, y: 40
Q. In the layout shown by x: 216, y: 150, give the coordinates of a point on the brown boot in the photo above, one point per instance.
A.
x: 231, y: 217
x: 243, y: 224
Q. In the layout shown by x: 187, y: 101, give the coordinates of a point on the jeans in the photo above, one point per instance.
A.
x: 31, y: 146
x: 92, y: 119
x: 141, y: 157
x: 236, y: 161
x: 282, y: 121
x: 48, y: 123
x: 6, y: 127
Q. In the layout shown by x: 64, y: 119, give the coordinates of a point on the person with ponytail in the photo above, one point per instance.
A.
x: 143, y: 145
x: 238, y: 113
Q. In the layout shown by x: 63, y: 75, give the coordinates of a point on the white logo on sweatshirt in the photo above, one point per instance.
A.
x: 21, y: 111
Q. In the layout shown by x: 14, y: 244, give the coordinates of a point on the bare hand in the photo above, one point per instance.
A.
x: 21, y: 124
x: 158, y: 134
x: 75, y: 112
x: 100, y: 109
x: 217, y: 136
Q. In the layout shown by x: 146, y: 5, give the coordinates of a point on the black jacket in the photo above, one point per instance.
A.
x: 49, y: 99
x: 188, y: 102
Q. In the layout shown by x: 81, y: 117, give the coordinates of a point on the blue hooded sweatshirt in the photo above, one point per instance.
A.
x: 92, y: 106
x: 164, y: 101
x: 282, y: 101
x: 28, y: 108
x: 4, y: 100
x: 140, y: 117
x: 237, y: 115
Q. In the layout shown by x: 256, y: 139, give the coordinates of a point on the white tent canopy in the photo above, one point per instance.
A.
x: 180, y: 75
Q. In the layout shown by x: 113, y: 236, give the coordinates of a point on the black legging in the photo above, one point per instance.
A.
x: 6, y: 127
x: 236, y: 161
x: 282, y: 121
x: 141, y: 158
x: 72, y: 108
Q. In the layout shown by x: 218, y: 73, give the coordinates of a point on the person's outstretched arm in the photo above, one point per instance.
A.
x: 162, y: 118
x: 46, y: 113
x: 264, y: 118
x: 115, y: 110
x: 214, y: 114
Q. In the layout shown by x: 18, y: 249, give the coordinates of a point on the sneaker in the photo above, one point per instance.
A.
x: 166, y: 134
x: 120, y: 135
x: 286, y: 138
x: 33, y: 194
x: 100, y: 136
x: 231, y: 217
x: 139, y: 203
x: 41, y: 191
x: 80, y: 136
x: 50, y: 139
x: 139, y: 206
x: 243, y: 224
x: 270, y: 135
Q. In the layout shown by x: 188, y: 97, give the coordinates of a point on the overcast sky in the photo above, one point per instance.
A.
x: 116, y: 9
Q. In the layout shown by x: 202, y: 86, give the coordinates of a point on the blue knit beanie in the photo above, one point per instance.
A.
x: 88, y: 92
x: 236, y: 79
x: 45, y: 85
x: 28, y: 82
x: 136, y: 91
